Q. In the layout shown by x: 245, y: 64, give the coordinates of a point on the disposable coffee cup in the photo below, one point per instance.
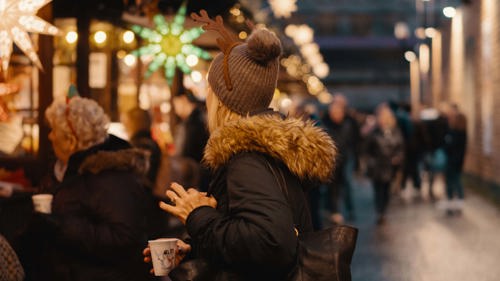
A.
x: 42, y: 203
x: 163, y: 253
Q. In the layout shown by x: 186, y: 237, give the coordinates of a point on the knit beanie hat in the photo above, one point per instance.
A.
x: 247, y: 82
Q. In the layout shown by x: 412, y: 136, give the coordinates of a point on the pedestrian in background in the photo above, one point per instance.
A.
x: 455, y: 148
x: 344, y: 131
x: 191, y: 137
x: 385, y: 152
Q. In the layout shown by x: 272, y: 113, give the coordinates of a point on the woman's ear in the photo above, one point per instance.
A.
x: 73, y: 143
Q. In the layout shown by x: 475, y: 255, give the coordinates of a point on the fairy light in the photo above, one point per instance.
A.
x: 283, y: 8
x: 100, y: 37
x: 196, y: 76
x: 192, y: 60
x: 71, y: 37
x: 128, y: 37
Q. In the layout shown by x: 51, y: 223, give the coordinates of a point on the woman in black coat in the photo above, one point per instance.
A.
x: 385, y: 154
x: 98, y: 222
x: 247, y: 229
x: 455, y: 147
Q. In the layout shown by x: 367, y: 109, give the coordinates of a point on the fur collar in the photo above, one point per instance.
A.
x: 132, y: 159
x: 306, y: 149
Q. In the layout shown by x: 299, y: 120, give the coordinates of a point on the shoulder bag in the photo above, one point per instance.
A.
x: 321, y: 255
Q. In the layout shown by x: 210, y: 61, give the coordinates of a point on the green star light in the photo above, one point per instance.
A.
x: 169, y: 44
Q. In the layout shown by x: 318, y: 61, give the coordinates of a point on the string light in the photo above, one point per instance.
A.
x: 449, y: 12
x: 128, y: 37
x: 71, y: 37
x: 283, y: 8
x: 196, y: 76
x: 100, y: 37
x: 192, y: 60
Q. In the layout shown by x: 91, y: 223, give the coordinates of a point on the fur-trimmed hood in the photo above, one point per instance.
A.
x: 304, y: 148
x: 132, y: 159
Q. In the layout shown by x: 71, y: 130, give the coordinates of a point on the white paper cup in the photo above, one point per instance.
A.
x: 163, y: 253
x: 42, y: 203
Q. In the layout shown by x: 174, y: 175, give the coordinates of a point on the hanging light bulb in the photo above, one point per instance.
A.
x: 449, y: 12
x: 71, y: 37
x: 100, y: 37
x: 283, y: 8
x: 128, y: 37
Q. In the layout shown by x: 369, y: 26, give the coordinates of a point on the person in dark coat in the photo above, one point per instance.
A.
x: 192, y: 131
x: 455, y: 147
x: 435, y: 127
x: 344, y: 131
x: 385, y: 153
x: 247, y: 228
x: 191, y: 135
x: 98, y: 223
x: 137, y: 123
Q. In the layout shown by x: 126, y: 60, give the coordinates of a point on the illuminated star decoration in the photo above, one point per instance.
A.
x: 17, y: 19
x: 283, y: 8
x: 169, y: 44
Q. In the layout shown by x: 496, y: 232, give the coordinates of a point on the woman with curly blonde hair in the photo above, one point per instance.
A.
x: 90, y: 235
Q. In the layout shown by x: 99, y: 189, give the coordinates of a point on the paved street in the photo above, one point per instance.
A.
x: 420, y: 243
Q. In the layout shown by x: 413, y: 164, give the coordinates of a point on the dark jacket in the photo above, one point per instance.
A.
x: 143, y: 139
x: 97, y: 228
x: 455, y: 146
x: 251, y: 236
x: 381, y: 147
x: 345, y: 134
x: 196, y: 135
x: 346, y: 137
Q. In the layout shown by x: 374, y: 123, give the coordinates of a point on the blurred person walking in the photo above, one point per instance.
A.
x: 97, y: 225
x: 412, y: 138
x: 248, y: 229
x: 344, y: 130
x: 385, y: 153
x: 455, y: 147
x: 192, y: 132
x: 435, y: 127
x: 191, y: 136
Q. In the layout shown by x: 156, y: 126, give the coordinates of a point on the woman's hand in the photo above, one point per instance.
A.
x: 182, y: 250
x: 147, y: 257
x: 186, y: 201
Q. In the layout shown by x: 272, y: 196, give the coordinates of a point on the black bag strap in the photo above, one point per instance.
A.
x: 280, y: 180
x: 283, y: 186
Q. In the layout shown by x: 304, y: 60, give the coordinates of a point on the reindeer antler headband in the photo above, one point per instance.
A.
x: 226, y: 43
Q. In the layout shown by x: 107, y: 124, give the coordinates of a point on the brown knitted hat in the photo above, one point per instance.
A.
x: 252, y: 70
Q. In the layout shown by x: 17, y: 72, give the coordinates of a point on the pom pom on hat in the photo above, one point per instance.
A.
x: 263, y: 46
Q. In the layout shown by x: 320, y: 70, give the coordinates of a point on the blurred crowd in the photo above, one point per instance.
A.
x: 394, y: 149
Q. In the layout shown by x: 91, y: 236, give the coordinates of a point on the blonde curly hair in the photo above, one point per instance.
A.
x: 81, y: 117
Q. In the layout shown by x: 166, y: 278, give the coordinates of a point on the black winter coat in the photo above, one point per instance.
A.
x: 97, y: 228
x: 455, y: 147
x: 381, y: 148
x: 196, y: 135
x: 251, y: 236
